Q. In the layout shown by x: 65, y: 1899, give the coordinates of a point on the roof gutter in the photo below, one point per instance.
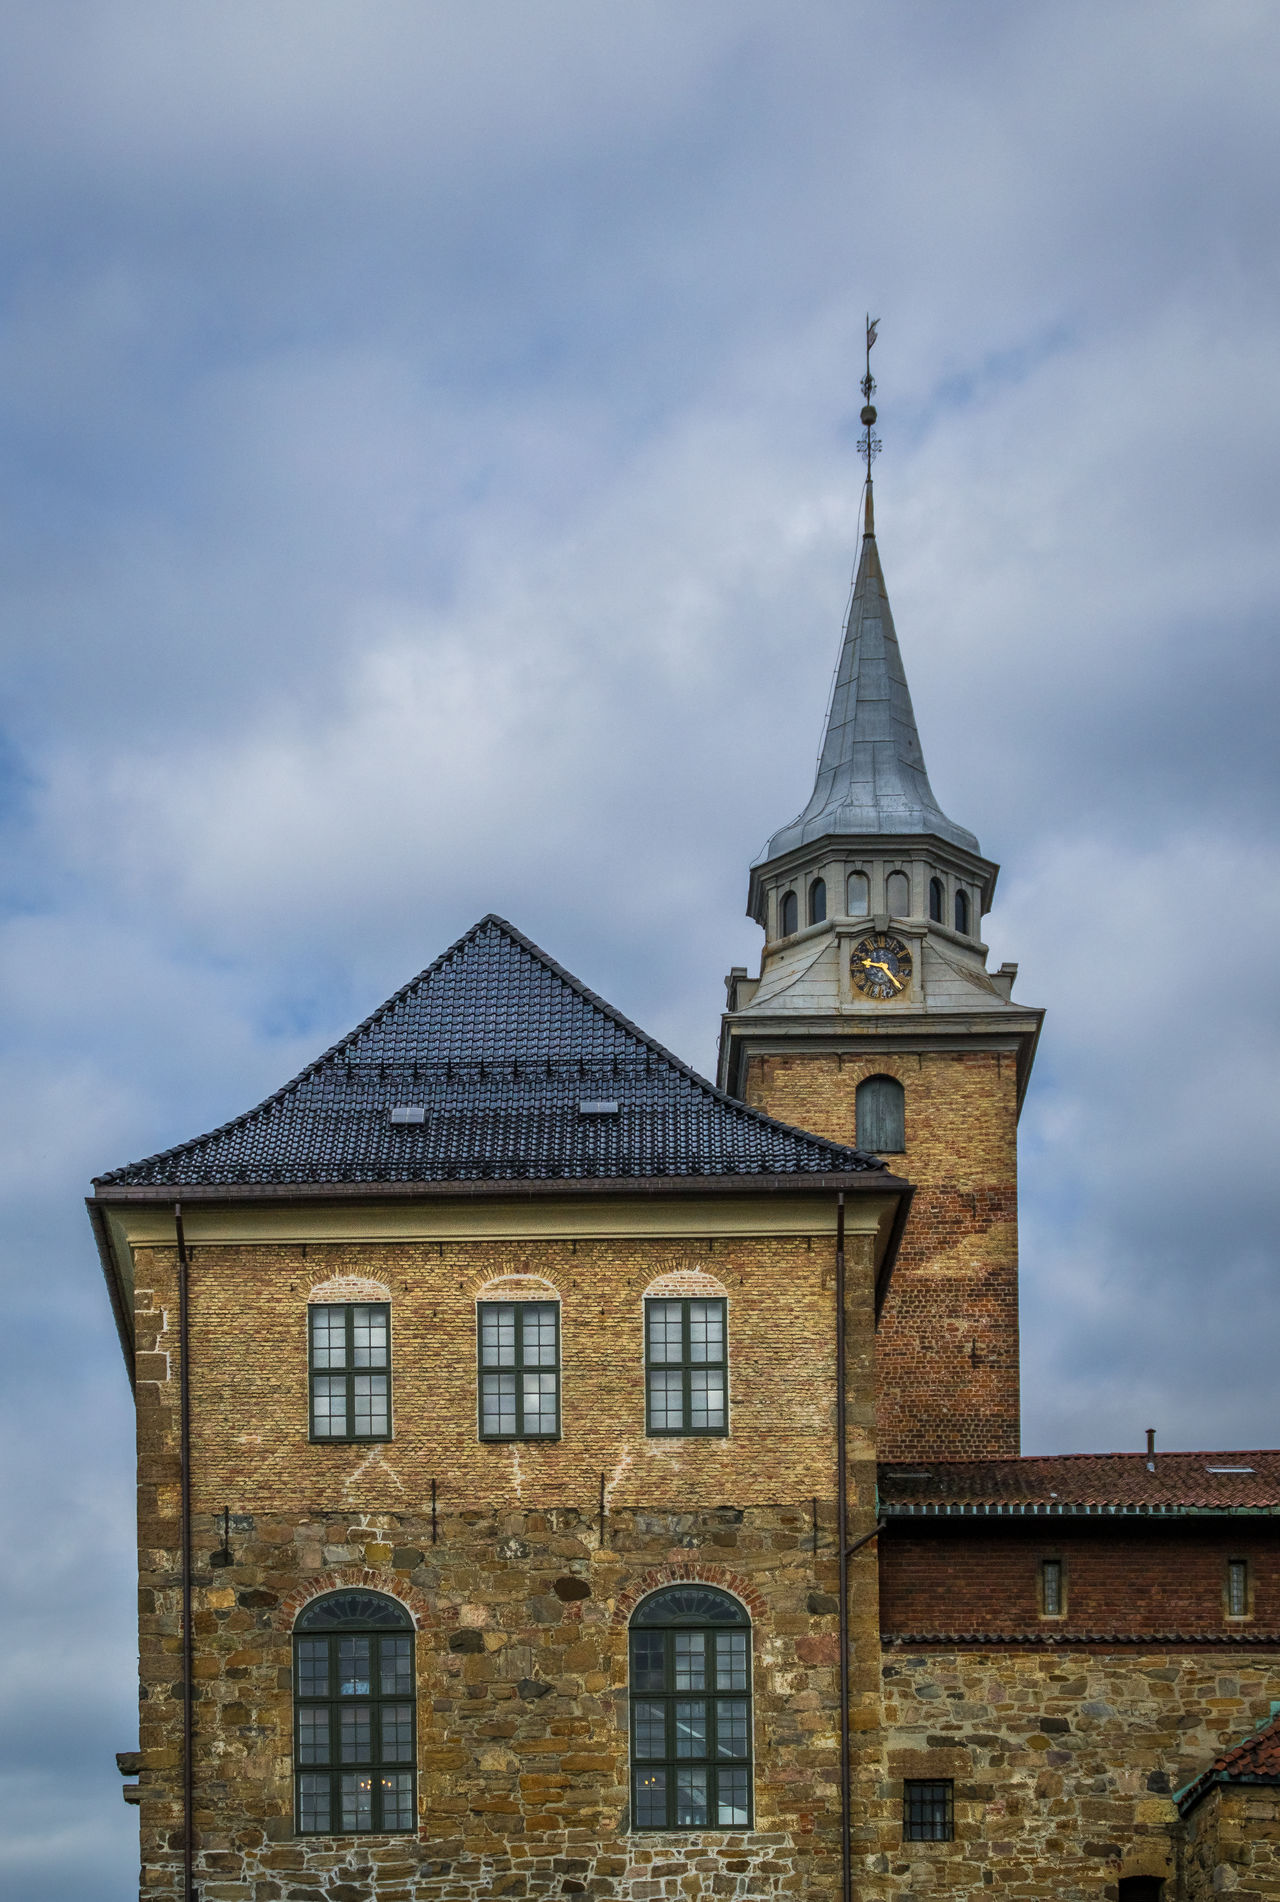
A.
x: 849, y: 1182
x: 1036, y: 1509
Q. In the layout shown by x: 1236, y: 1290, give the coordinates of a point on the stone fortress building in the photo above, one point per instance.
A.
x: 560, y: 1476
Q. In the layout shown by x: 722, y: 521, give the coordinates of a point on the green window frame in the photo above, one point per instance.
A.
x: 686, y: 1354
x: 349, y: 1360
x: 691, y: 1715
x: 518, y: 1350
x: 354, y: 1716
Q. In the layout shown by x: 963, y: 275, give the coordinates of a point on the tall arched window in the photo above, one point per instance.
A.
x: 880, y: 1119
x: 935, y: 900
x: 859, y: 895
x: 353, y: 1709
x: 690, y: 1711
x: 817, y: 901
x: 962, y: 912
x: 898, y: 895
x: 788, y: 914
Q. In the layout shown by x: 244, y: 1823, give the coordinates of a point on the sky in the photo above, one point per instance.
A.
x: 428, y: 486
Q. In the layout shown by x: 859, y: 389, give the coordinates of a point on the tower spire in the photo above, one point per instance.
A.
x: 868, y: 443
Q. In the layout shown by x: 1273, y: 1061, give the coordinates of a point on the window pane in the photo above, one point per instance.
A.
x: 313, y: 1667
x: 354, y: 1674
x: 357, y: 1737
x: 731, y: 1792
x: 539, y: 1334
x: 651, y: 1726
x: 540, y: 1403
x: 498, y: 1405
x: 706, y: 1331
x: 706, y: 1398
x: 1238, y: 1588
x: 313, y: 1735
x: 666, y: 1403
x: 647, y: 1653
x: 731, y: 1727
x: 731, y: 1660
x: 691, y: 1728
x: 357, y: 1801
x: 369, y: 1337
x: 651, y: 1798
x: 313, y: 1802
x: 397, y: 1733
x: 397, y: 1667
x: 926, y: 1812
x: 329, y: 1406
x: 691, y: 1660
x: 859, y: 895
x: 497, y: 1334
x: 898, y: 895
x: 666, y: 1332
x: 691, y: 1797
x: 328, y: 1337
x: 1052, y: 1576
x: 372, y: 1413
x: 397, y: 1801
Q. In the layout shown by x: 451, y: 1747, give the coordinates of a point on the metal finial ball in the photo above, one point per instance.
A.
x: 868, y: 415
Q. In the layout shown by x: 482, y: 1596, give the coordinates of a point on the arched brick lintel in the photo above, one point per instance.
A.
x: 689, y: 1572
x: 354, y: 1578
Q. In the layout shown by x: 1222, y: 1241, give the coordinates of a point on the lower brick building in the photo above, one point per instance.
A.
x: 561, y: 1476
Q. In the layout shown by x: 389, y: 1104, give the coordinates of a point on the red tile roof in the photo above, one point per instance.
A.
x: 1084, y: 1483
x: 1256, y: 1760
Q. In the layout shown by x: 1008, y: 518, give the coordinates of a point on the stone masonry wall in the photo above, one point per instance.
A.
x: 1233, y: 1845
x: 1064, y: 1764
x: 522, y: 1754
x: 947, y: 1350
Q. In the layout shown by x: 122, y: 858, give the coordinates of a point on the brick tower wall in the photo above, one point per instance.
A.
x: 947, y: 1348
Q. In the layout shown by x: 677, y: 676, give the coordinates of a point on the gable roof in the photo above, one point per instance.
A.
x: 1106, y: 1484
x: 500, y: 1049
x: 1256, y: 1760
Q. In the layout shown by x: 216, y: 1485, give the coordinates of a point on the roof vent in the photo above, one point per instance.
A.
x: 604, y: 1106
x: 408, y: 1113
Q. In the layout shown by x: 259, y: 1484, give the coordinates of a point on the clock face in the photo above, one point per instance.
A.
x: 881, y: 966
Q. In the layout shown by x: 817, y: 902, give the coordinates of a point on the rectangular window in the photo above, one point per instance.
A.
x: 687, y: 1388
x: 1052, y: 1602
x: 350, y: 1360
x: 519, y: 1346
x: 1238, y: 1588
x: 927, y: 1815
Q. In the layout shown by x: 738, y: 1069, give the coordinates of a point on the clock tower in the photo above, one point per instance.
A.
x: 874, y: 1020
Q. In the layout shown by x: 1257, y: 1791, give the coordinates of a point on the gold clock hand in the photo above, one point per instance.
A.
x: 876, y: 965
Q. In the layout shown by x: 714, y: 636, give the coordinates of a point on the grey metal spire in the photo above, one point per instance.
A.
x: 871, y: 773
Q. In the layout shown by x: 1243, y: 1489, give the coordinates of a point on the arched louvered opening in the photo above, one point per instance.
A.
x: 788, y: 918
x: 962, y: 913
x: 880, y: 1115
x: 936, y: 896
x: 859, y: 895
x: 898, y: 895
x: 817, y: 901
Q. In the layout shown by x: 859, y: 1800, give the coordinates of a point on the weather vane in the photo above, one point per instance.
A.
x: 869, y: 443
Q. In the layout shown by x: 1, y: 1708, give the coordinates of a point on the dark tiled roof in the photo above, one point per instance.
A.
x: 1100, y: 1483
x: 1256, y: 1760
x: 499, y: 1047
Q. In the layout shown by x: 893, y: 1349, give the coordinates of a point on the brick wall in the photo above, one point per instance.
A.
x: 1119, y: 1575
x: 947, y: 1349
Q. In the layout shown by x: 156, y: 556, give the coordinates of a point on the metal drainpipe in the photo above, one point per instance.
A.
x: 842, y: 1535
x: 184, y: 1459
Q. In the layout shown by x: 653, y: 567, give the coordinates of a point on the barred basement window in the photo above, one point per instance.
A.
x: 880, y: 1115
x: 519, y: 1370
x: 685, y: 1362
x: 354, y: 1747
x: 1052, y: 1604
x: 927, y: 1813
x: 690, y: 1711
x: 350, y: 1362
x: 1238, y: 1588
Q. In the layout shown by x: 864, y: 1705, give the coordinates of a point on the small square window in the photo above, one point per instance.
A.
x: 927, y: 1813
